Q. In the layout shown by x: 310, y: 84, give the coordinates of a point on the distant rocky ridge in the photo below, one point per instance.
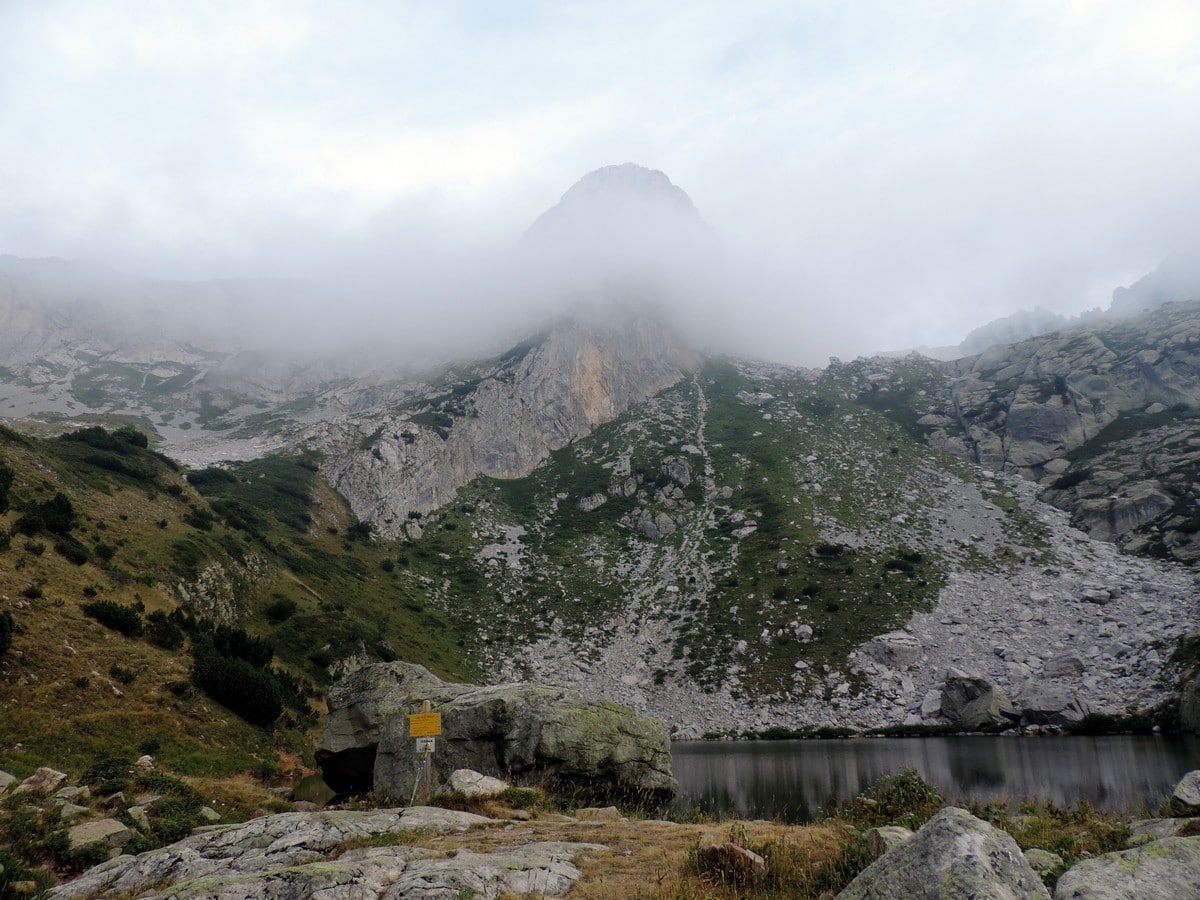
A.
x: 1175, y: 280
x: 1010, y: 330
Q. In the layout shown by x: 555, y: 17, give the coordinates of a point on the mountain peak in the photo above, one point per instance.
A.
x: 626, y: 201
x: 633, y: 181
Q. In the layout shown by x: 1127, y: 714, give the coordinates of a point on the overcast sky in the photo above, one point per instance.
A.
x: 895, y: 173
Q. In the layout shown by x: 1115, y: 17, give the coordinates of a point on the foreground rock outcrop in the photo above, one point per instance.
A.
x: 512, y: 730
x: 322, y: 855
x: 954, y: 855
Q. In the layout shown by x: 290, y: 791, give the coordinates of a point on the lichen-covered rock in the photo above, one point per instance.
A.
x: 360, y: 705
x: 973, y: 701
x: 231, y: 854
x: 1043, y: 861
x: 475, y: 784
x: 954, y: 855
x: 44, y: 781
x: 6, y: 781
x: 1185, y: 799
x: 300, y: 856
x: 884, y: 838
x: 1043, y: 704
x: 1160, y: 870
x: 500, y: 730
x: 1142, y: 831
x: 102, y: 831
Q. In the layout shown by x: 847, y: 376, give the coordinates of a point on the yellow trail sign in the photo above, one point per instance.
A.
x: 425, y: 724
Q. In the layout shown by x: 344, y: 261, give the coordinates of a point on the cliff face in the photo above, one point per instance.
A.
x: 505, y: 418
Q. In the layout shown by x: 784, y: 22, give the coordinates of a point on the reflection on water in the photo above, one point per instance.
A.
x: 796, y: 780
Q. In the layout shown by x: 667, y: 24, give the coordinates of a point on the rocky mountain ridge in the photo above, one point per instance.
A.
x: 1102, y: 415
x: 723, y: 543
x: 500, y: 419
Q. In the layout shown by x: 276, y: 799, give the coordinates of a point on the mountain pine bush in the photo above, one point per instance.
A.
x: 7, y: 627
x: 125, y: 619
x: 56, y: 516
x: 251, y: 692
x: 6, y: 480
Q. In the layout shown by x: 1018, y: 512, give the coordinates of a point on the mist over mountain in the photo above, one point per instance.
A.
x: 611, y: 499
x: 1176, y: 279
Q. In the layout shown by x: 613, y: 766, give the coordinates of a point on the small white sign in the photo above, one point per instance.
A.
x: 425, y: 744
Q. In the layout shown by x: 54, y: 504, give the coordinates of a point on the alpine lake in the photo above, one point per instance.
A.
x: 801, y: 780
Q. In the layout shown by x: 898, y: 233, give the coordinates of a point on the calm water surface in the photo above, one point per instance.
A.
x: 796, y: 780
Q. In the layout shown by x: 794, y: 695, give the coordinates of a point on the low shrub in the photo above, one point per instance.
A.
x: 211, y: 477
x: 200, y: 519
x: 791, y: 871
x: 109, y: 773
x: 235, y: 643
x: 901, y: 799
x: 7, y: 476
x: 163, y: 631
x: 1072, y: 833
x: 280, y: 610
x: 122, y: 674
x: 72, y: 551
x: 175, y: 818
x: 125, y: 619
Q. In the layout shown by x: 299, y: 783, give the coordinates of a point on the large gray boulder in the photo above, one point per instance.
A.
x: 896, y: 649
x: 44, y: 781
x: 973, y: 701
x: 102, y: 831
x: 1160, y: 870
x: 1045, y: 704
x: 1185, y: 799
x: 507, y: 731
x: 954, y: 855
x: 360, y: 705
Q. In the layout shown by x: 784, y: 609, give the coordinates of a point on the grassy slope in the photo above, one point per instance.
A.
x: 826, y: 461
x: 64, y: 699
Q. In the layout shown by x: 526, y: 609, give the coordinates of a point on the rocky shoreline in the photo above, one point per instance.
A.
x: 438, y: 852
